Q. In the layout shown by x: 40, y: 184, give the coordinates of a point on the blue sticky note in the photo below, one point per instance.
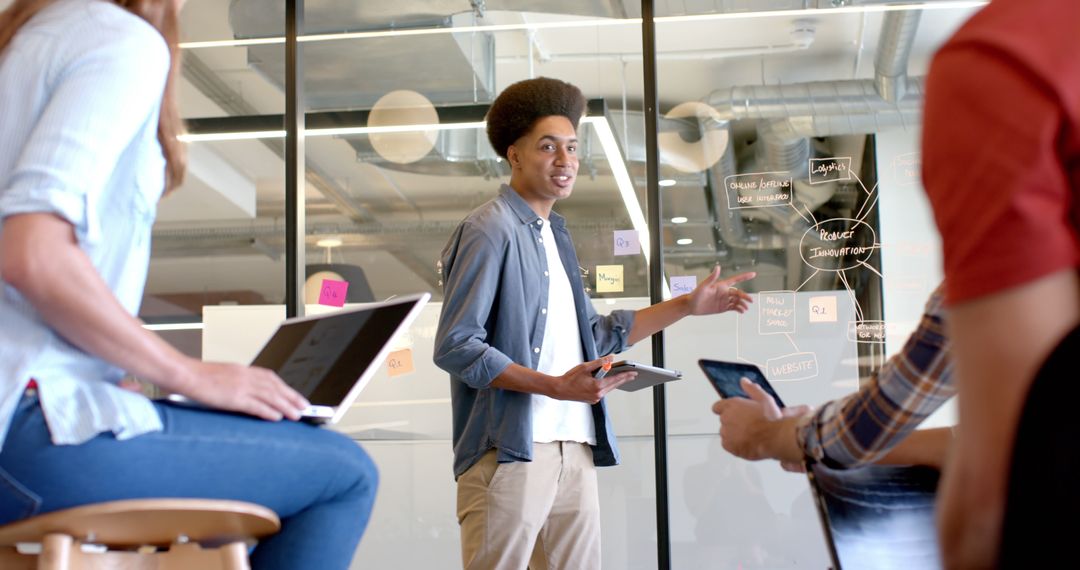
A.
x: 683, y: 284
x: 627, y: 243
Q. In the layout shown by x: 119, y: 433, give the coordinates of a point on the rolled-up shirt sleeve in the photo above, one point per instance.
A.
x: 864, y: 426
x: 611, y: 332
x: 471, y: 269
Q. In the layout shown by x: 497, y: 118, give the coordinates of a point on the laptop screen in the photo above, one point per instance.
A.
x: 878, y: 516
x: 322, y: 357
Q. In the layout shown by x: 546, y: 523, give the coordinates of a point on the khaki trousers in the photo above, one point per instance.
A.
x: 543, y: 514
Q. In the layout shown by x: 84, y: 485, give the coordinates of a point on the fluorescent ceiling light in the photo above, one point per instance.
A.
x: 174, y: 326
x: 340, y: 131
x: 393, y: 129
x: 592, y: 23
x: 684, y: 241
x: 679, y: 220
x: 667, y: 182
x: 587, y: 23
x: 239, y: 136
x: 622, y: 179
x: 329, y: 242
x: 872, y: 8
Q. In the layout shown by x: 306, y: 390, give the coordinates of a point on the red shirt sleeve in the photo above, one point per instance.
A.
x: 992, y: 169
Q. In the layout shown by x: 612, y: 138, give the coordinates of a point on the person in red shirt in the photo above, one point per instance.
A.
x: 1001, y: 166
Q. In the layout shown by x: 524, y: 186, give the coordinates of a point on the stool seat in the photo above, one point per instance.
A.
x: 134, y: 523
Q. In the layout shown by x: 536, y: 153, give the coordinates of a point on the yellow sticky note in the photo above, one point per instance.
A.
x: 399, y: 362
x: 609, y: 278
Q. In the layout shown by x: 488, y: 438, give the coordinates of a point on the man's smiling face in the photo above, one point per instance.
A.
x: 544, y: 161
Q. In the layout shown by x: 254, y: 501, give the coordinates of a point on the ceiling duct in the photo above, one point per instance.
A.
x: 785, y: 143
x: 795, y: 112
x: 891, y: 99
x: 351, y: 73
x: 894, y: 48
x: 790, y: 114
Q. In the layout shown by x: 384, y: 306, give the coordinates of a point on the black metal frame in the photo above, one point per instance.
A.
x: 656, y: 279
x: 295, y: 206
x: 340, y: 119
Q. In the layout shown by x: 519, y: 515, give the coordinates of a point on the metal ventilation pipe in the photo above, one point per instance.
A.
x: 894, y: 48
x: 891, y: 96
x: 851, y: 97
x: 783, y: 149
x: 790, y: 114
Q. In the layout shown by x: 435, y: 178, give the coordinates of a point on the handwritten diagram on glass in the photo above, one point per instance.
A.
x: 804, y: 331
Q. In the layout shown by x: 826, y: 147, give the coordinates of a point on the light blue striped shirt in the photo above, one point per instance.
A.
x: 80, y: 90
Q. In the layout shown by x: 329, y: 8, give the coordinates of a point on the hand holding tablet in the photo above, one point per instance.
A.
x: 646, y: 375
x: 725, y: 377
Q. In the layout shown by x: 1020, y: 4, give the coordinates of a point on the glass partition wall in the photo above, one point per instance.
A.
x: 219, y: 238
x: 791, y: 150
x: 787, y: 135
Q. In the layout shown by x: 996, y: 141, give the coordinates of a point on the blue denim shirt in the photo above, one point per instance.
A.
x: 495, y: 274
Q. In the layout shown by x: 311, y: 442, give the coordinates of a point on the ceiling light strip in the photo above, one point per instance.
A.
x: 561, y: 25
x: 337, y: 131
x: 237, y: 136
x: 393, y: 129
x: 864, y: 9
x: 173, y: 326
x: 597, y: 23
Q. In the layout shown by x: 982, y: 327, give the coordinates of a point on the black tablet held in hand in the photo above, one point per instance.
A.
x: 646, y: 375
x: 725, y: 378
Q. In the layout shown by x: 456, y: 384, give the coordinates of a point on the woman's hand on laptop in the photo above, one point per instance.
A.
x: 235, y: 387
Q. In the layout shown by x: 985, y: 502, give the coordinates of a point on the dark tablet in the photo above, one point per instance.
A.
x: 725, y: 376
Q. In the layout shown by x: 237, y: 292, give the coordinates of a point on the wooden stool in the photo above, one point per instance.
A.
x: 128, y: 529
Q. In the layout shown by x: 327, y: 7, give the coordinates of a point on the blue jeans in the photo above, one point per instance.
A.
x: 321, y: 483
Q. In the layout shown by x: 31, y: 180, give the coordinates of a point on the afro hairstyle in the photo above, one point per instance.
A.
x: 520, y: 105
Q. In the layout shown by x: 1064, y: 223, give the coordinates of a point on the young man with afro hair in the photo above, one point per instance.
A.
x: 521, y: 341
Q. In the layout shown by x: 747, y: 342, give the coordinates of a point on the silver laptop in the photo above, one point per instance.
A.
x: 330, y: 358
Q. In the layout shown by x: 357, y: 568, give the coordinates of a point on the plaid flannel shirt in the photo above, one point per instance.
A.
x: 864, y: 426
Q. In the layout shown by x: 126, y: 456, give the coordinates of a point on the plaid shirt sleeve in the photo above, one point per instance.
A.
x: 864, y: 426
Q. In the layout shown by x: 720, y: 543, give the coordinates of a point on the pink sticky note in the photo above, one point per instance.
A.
x: 332, y: 292
x: 626, y: 242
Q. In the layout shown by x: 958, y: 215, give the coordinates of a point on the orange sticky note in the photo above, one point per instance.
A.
x: 399, y: 362
x: 333, y: 292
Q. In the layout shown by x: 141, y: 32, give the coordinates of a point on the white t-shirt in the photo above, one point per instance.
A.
x: 560, y: 350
